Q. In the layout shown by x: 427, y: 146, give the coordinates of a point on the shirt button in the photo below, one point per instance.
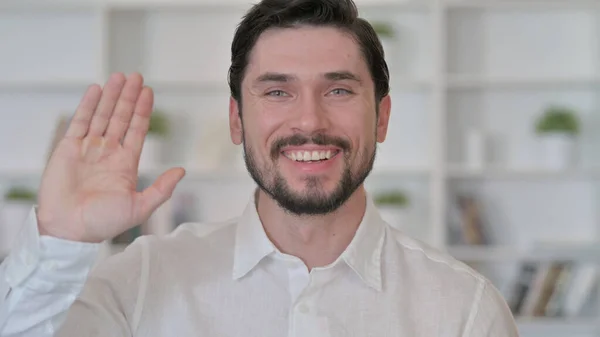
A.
x: 303, y: 309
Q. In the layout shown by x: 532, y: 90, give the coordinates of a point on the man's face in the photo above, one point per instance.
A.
x: 308, y: 118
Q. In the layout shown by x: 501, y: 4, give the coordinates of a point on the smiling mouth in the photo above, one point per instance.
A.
x: 311, y: 156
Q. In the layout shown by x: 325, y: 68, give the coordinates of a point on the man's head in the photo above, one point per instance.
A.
x: 309, y: 89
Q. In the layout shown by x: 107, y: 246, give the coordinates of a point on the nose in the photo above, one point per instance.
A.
x: 311, y: 115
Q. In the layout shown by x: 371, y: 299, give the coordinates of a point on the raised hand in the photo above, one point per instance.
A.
x: 88, y: 189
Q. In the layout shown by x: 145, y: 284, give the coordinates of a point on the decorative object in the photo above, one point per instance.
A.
x: 158, y: 132
x: 557, y: 130
x: 17, y: 204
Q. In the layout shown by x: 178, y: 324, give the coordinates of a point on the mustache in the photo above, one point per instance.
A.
x: 317, y: 139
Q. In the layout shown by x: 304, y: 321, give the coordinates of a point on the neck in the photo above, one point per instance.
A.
x: 316, y: 240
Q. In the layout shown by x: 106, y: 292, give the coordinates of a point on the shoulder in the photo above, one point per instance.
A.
x: 186, y: 240
x: 439, y: 275
x: 418, y: 255
x: 194, y: 239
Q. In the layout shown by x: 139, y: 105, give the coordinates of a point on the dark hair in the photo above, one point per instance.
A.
x: 342, y: 14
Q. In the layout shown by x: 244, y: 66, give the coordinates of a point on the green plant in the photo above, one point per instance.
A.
x: 558, y: 119
x: 383, y: 29
x: 159, y: 124
x: 20, y: 194
x: 393, y: 198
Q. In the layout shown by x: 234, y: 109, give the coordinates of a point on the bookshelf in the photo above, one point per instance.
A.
x: 457, y: 65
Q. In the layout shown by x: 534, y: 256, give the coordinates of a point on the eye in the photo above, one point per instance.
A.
x: 276, y: 93
x: 340, y: 91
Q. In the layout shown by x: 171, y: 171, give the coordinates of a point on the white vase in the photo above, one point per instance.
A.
x: 557, y: 151
x: 151, y: 156
x: 13, y: 215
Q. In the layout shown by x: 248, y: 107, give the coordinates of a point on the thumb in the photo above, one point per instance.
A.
x: 156, y: 194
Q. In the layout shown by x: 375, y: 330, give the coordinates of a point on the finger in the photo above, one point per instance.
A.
x: 80, y: 123
x: 119, y: 122
x: 140, y: 122
x: 110, y: 95
x: 156, y: 194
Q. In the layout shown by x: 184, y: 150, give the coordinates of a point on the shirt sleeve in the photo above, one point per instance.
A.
x: 491, y: 316
x: 111, y: 301
x: 40, y: 279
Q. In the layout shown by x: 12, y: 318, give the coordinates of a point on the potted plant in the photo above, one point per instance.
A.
x: 558, y: 128
x: 393, y: 207
x: 17, y: 204
x: 158, y: 132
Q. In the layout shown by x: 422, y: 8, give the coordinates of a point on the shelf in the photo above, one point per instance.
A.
x: 195, y: 174
x: 483, y: 82
x: 399, y: 171
x: 199, y: 173
x: 522, y: 4
x: 581, y: 252
x: 188, y: 4
x: 245, y: 4
x: 459, y: 172
x: 546, y: 326
x: 220, y: 174
x: 45, y: 86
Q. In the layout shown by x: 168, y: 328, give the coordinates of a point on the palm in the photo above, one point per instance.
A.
x: 88, y: 192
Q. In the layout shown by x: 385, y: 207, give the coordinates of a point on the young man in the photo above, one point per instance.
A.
x: 310, y: 255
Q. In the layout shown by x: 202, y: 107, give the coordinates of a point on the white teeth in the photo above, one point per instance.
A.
x: 309, y: 155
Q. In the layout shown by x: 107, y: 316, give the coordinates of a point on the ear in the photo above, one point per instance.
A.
x: 385, y: 107
x: 235, y: 122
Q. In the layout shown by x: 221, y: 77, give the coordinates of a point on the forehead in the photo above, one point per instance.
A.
x: 305, y: 51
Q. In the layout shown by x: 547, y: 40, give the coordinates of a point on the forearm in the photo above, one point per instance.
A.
x: 40, y: 280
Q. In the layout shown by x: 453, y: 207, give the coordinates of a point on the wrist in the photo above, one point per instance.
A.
x: 52, y: 227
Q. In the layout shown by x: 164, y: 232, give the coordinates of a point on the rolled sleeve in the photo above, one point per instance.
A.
x: 40, y: 279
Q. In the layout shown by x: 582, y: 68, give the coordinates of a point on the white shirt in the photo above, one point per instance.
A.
x: 227, y: 279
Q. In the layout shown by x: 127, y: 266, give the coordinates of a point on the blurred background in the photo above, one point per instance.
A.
x: 492, y: 153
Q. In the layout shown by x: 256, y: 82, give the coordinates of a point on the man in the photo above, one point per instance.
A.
x: 310, y: 255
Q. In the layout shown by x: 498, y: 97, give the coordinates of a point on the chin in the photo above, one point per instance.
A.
x: 311, y: 184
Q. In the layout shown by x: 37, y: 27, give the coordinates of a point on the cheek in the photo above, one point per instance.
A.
x: 261, y: 131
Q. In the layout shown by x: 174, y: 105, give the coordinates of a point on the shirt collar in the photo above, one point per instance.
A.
x: 251, y: 241
x: 363, y: 254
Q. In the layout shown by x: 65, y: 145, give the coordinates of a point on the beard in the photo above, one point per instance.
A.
x: 314, y: 200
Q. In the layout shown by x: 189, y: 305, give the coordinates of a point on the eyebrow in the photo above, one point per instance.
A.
x: 332, y: 76
x: 342, y: 75
x: 274, y: 77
